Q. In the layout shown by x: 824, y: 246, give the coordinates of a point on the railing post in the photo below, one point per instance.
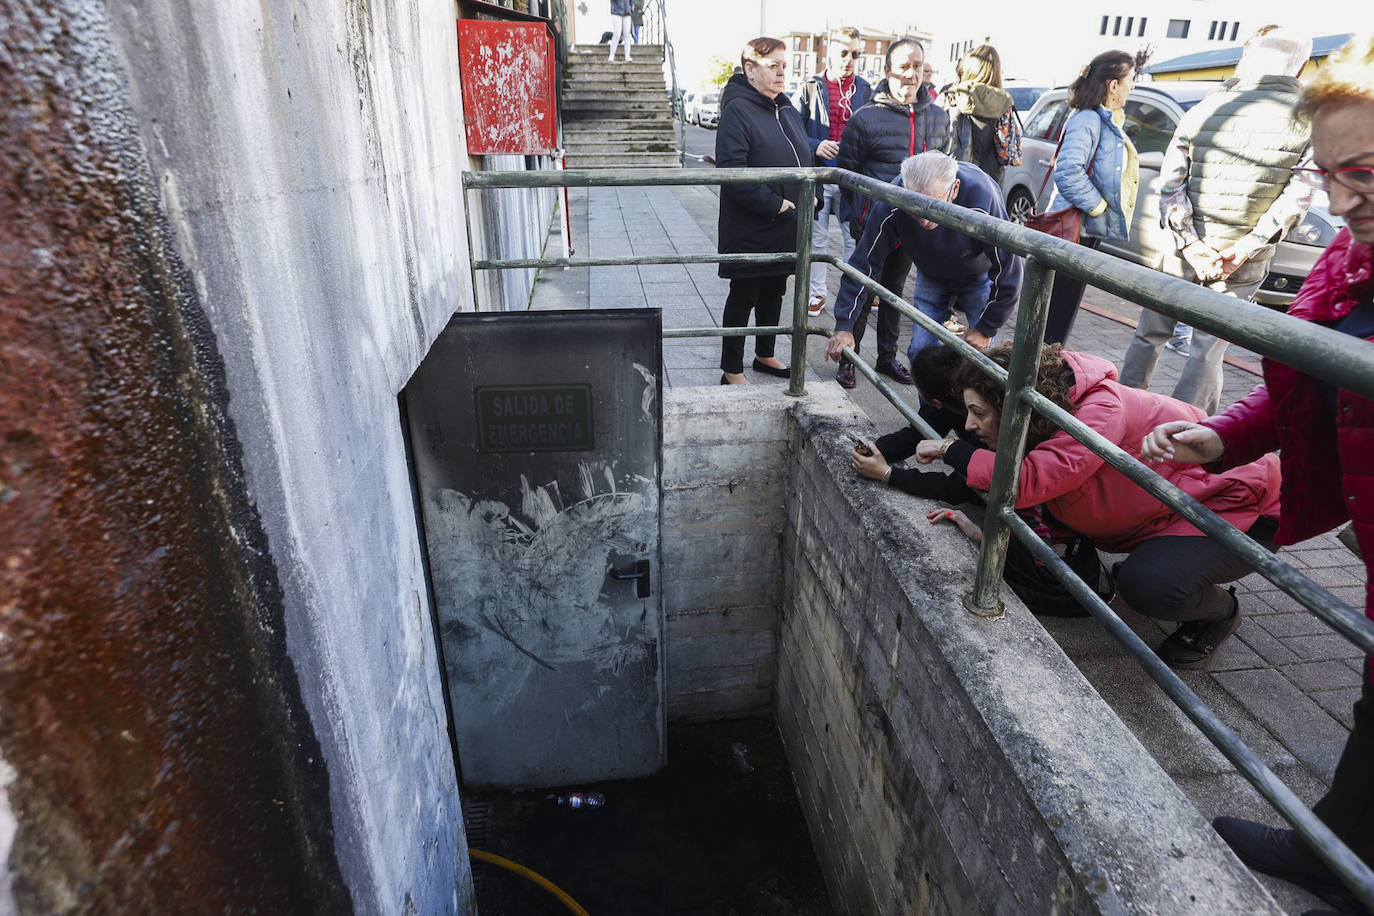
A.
x: 1031, y: 313
x: 801, y: 285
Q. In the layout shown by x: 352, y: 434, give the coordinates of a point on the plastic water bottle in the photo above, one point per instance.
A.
x: 577, y: 800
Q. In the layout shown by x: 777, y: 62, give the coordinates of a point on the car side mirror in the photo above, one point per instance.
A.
x: 1152, y: 160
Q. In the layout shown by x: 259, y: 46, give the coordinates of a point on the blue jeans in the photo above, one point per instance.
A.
x: 937, y: 297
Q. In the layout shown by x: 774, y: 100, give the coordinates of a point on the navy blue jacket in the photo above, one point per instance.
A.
x: 757, y: 132
x: 813, y: 104
x: 938, y: 253
x: 882, y: 134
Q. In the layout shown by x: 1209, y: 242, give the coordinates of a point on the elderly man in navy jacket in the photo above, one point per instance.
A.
x: 953, y: 268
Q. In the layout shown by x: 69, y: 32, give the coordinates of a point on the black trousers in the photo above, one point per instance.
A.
x: 893, y: 276
x: 763, y: 297
x: 1348, y: 807
x: 1175, y: 578
x: 1065, y: 296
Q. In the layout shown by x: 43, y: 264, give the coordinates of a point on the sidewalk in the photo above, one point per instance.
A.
x: 1285, y: 684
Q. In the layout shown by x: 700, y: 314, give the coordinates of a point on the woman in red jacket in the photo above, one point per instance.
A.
x: 1326, y: 439
x: 1172, y: 571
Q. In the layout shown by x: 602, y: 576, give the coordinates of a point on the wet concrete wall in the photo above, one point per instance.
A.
x: 949, y: 764
x: 228, y: 238
x: 723, y: 490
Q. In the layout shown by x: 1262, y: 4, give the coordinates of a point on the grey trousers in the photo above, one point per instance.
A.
x: 1200, y: 382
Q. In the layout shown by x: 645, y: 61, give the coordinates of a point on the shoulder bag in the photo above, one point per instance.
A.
x: 1067, y: 222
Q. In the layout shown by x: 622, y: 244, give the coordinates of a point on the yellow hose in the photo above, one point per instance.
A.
x: 524, y: 872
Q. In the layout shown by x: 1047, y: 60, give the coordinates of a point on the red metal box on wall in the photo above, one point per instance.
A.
x: 509, y: 90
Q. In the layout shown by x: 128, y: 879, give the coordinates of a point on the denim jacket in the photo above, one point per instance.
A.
x: 1090, y: 134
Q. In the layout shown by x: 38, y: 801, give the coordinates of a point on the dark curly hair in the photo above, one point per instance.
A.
x: 1054, y: 380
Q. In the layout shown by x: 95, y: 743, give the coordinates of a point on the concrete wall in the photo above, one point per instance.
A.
x: 231, y: 233
x: 511, y: 223
x: 724, y: 482
x: 949, y: 764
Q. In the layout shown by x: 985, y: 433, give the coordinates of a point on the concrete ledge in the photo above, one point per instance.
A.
x: 948, y: 763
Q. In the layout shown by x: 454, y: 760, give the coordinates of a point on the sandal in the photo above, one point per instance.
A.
x: 815, y: 306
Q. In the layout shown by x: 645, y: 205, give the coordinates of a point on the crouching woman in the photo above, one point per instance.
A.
x: 1173, y: 571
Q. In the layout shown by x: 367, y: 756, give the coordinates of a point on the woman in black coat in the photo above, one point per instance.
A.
x: 759, y: 128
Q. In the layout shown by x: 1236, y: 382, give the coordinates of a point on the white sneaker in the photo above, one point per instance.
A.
x: 815, y: 305
x: 1181, y: 345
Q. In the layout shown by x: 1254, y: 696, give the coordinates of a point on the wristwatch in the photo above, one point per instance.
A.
x: 949, y: 439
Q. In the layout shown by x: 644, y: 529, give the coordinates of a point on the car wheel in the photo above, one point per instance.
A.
x: 1020, y: 205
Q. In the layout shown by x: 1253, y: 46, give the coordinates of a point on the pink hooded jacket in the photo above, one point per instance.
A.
x: 1085, y: 493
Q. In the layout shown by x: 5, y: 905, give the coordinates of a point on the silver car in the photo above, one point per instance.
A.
x: 1153, y: 111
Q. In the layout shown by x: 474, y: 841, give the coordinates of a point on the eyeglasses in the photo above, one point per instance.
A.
x: 772, y: 66
x: 1357, y: 178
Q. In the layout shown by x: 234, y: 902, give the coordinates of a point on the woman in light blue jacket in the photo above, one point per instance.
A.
x: 1095, y: 170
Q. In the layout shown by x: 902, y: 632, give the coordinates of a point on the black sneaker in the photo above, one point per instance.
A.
x: 1192, y: 644
x: 1283, y: 854
x: 845, y: 375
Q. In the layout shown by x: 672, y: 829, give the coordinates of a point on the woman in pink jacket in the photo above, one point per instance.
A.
x: 1172, y: 571
x: 1326, y: 438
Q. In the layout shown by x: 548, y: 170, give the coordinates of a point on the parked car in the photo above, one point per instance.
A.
x: 689, y: 108
x: 1025, y: 97
x: 707, y: 109
x: 1153, y: 111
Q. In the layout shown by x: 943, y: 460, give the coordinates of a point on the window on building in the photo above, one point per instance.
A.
x: 796, y: 63
x: 1130, y: 24
x: 1178, y: 28
x: 1103, y: 30
x: 1235, y: 28
x: 1116, y: 26
x: 1141, y: 33
x: 1212, y: 30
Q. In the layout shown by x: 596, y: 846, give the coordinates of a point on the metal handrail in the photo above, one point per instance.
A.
x: 1321, y: 352
x: 657, y: 12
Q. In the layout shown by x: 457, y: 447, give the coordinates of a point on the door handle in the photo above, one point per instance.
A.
x: 641, y: 574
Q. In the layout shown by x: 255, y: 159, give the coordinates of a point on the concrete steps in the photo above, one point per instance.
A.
x: 617, y: 115
x: 621, y: 160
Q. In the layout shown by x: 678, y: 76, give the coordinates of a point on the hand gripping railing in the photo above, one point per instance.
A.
x: 1330, y: 355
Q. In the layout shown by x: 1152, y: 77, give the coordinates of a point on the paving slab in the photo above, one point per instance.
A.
x: 1286, y: 712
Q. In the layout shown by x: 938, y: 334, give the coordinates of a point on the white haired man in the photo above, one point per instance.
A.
x: 1228, y: 195
x: 952, y: 268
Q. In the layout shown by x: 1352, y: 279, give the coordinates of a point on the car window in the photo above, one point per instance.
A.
x: 1148, y: 126
x: 710, y: 98
x: 1045, y: 123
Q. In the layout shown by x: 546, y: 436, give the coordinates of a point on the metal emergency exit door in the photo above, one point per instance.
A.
x: 537, y: 442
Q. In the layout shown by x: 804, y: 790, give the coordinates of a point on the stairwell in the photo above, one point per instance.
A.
x: 617, y: 115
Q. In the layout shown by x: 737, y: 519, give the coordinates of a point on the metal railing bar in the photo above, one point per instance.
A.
x: 780, y: 257
x: 1336, y: 854
x: 1322, y: 352
x: 1033, y: 309
x: 1351, y: 624
x: 779, y: 330
x: 801, y: 283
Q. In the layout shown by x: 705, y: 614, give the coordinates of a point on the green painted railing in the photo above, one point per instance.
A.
x: 1330, y: 355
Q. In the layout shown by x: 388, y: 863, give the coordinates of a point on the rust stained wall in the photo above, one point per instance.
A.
x: 147, y: 706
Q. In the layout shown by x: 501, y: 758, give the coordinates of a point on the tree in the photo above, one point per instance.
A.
x: 718, y: 71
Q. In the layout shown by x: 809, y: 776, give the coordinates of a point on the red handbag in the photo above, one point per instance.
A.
x: 1065, y: 223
